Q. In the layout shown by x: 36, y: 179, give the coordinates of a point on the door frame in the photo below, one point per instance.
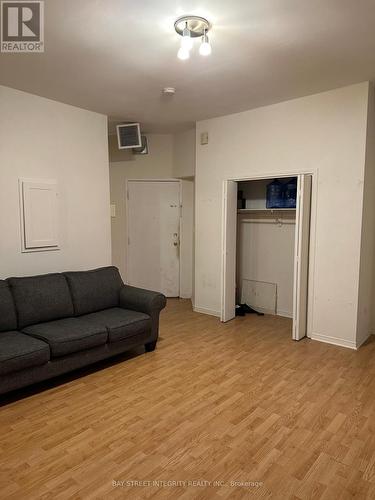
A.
x: 312, y: 239
x: 127, y: 182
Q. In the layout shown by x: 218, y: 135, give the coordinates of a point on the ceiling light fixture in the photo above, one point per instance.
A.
x: 187, y: 41
x: 205, y: 47
x: 183, y: 53
x: 190, y: 27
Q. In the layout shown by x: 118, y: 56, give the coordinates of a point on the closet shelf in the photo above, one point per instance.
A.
x: 267, y: 210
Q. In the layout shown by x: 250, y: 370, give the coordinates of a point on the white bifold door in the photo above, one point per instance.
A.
x: 153, y: 247
x: 228, y: 299
x: 301, y: 254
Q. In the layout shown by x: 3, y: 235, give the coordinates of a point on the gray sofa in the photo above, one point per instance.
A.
x: 54, y: 323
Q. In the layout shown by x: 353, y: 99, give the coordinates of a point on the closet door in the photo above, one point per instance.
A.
x: 301, y: 256
x: 228, y: 286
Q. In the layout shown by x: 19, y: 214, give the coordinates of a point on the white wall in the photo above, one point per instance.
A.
x: 158, y: 164
x: 186, y: 248
x: 265, y: 253
x: 44, y: 139
x: 324, y: 134
x: 366, y: 309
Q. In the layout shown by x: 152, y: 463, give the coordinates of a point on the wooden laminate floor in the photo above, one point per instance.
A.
x: 217, y: 411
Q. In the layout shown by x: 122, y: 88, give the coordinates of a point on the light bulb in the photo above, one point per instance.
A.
x: 205, y: 47
x: 187, y: 41
x: 183, y: 54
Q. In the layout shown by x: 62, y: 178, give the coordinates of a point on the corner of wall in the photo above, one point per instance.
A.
x: 184, y: 154
x: 366, y: 290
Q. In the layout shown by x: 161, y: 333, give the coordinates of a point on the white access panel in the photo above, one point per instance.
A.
x: 260, y: 294
x: 301, y: 256
x: 39, y: 215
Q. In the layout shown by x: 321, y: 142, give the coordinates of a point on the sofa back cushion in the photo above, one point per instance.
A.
x: 8, y: 318
x: 41, y: 298
x: 95, y: 290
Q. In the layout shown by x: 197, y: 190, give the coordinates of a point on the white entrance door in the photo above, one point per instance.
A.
x: 228, y: 286
x: 153, y: 217
x: 301, y: 256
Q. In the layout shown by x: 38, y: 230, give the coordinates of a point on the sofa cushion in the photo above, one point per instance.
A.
x: 95, y: 290
x: 68, y: 335
x: 19, y: 351
x: 8, y: 318
x: 121, y: 323
x: 41, y: 298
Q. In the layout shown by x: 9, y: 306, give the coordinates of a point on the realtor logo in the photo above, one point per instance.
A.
x: 22, y: 26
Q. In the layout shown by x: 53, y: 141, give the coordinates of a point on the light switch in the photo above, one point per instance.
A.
x: 204, y: 138
x: 113, y: 210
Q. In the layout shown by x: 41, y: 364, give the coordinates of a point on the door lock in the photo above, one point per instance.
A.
x: 176, y: 239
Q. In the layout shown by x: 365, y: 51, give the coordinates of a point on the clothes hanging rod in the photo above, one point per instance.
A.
x: 266, y: 210
x: 264, y: 221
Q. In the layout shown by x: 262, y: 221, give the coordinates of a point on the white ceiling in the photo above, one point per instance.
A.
x: 115, y: 56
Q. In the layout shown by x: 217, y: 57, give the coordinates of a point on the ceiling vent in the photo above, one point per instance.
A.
x: 129, y: 136
x: 143, y: 150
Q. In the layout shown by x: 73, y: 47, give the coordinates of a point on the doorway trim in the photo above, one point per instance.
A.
x: 170, y: 179
x: 312, y: 237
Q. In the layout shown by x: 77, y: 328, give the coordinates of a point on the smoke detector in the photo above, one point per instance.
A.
x: 168, y: 91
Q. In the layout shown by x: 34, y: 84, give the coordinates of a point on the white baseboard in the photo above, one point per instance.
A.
x: 212, y: 312
x: 334, y: 341
x: 361, y: 342
x: 285, y: 314
x: 349, y: 344
x: 204, y: 310
x: 340, y: 342
x: 264, y: 310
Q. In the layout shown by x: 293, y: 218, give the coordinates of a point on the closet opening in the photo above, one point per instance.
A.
x: 266, y: 239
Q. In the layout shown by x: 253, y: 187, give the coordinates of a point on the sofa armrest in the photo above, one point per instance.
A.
x: 138, y: 299
x: 145, y: 301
